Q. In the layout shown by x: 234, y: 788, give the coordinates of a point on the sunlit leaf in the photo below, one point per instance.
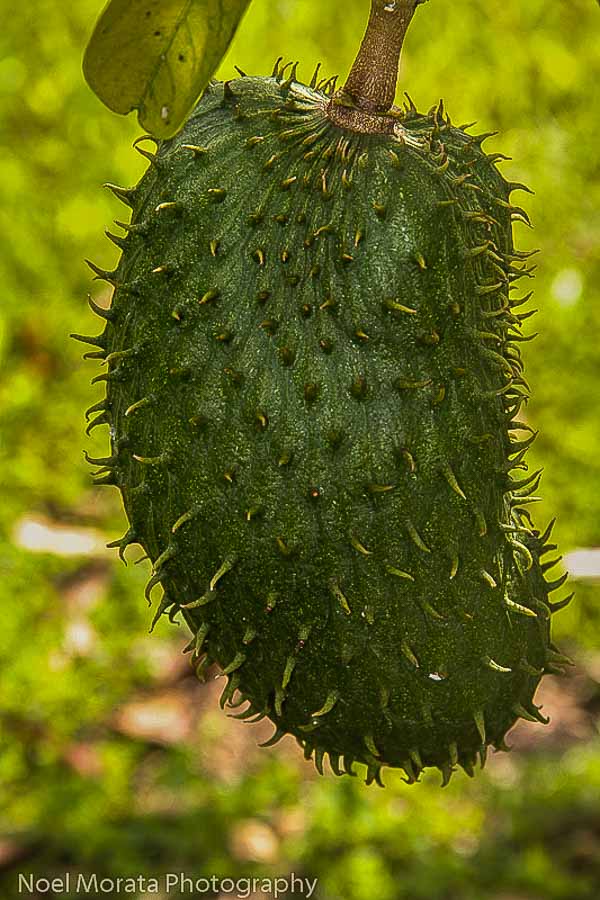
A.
x: 157, y: 56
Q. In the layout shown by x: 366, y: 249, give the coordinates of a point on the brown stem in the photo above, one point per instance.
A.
x: 371, y: 85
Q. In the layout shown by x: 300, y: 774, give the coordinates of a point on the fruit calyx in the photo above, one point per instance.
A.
x: 365, y: 103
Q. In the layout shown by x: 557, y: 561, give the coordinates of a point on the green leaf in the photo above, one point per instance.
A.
x: 157, y: 56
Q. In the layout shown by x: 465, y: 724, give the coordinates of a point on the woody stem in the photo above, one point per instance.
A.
x: 371, y: 84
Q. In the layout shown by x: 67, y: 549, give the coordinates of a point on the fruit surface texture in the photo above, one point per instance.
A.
x: 314, y: 387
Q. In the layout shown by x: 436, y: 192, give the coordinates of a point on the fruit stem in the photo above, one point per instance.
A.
x: 371, y: 84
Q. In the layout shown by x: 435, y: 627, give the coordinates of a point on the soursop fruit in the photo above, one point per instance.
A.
x: 313, y: 391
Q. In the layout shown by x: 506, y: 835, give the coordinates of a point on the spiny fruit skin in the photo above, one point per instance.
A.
x: 313, y: 383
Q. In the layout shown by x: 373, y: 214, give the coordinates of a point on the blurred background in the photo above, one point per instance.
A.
x: 113, y: 758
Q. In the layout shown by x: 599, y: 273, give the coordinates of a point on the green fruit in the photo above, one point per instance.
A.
x: 313, y: 384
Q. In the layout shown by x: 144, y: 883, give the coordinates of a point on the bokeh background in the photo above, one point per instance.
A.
x: 113, y: 758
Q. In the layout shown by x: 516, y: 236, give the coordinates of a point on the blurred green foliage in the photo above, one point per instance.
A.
x: 86, y: 783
